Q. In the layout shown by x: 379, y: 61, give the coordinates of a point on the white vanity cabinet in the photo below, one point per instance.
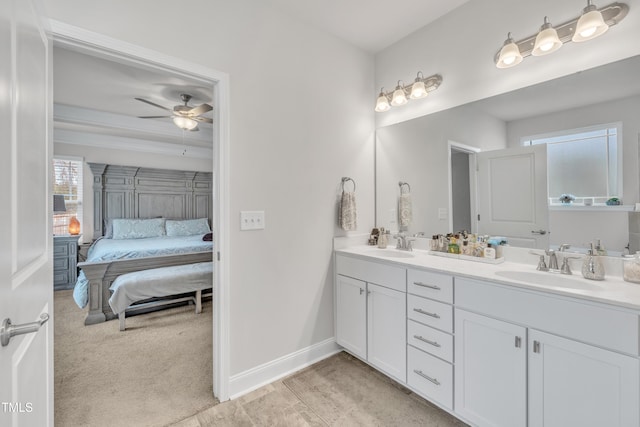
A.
x: 429, y: 335
x: 562, y: 361
x: 371, y: 313
x: 490, y: 371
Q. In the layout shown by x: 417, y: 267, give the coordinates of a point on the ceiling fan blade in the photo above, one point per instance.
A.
x: 153, y: 103
x: 154, y: 117
x: 203, y: 119
x: 201, y: 109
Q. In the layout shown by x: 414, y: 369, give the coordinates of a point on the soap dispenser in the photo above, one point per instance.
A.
x: 592, y: 267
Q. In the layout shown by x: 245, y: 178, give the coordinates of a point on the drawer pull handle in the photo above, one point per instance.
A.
x: 423, y: 339
x: 421, y: 311
x: 427, y: 377
x: 424, y: 285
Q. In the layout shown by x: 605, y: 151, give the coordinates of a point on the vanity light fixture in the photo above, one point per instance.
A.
x: 592, y: 23
x: 420, y: 88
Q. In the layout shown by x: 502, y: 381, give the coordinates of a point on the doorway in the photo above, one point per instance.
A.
x: 83, y: 41
x: 462, y: 187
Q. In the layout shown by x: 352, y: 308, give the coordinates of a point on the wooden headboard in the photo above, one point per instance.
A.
x: 133, y: 192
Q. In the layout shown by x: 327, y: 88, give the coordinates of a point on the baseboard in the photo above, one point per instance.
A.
x: 269, y: 372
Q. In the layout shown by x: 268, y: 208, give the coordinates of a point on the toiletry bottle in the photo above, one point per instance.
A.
x: 489, y: 252
x: 382, y: 239
x: 592, y: 267
x: 600, y: 250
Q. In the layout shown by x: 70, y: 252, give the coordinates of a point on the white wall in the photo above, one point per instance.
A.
x: 461, y: 46
x: 124, y: 158
x: 300, y: 120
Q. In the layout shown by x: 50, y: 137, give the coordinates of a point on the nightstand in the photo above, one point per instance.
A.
x: 65, y: 261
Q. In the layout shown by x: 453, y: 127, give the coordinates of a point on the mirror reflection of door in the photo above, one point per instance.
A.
x: 462, y: 188
x: 512, y: 195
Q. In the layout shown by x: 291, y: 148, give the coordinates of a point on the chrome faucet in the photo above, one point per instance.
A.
x: 404, y: 242
x: 553, y: 259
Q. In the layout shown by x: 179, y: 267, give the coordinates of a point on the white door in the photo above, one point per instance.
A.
x: 490, y: 371
x: 351, y: 315
x: 512, y: 195
x: 26, y: 278
x: 386, y: 330
x: 574, y: 384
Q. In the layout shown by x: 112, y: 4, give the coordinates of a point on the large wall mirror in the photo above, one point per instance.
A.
x: 443, y: 157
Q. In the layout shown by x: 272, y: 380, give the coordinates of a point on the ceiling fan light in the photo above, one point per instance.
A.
x: 509, y: 54
x: 547, y: 40
x: 590, y: 25
x: 185, y: 123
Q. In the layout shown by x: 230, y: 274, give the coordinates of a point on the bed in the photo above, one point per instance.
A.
x: 124, y: 196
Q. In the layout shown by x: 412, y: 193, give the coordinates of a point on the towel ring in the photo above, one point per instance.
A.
x: 402, y: 184
x: 345, y: 179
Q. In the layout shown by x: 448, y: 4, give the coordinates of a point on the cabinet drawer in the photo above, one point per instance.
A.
x: 430, y: 377
x: 429, y: 312
x: 60, y: 250
x: 588, y: 322
x: 372, y: 272
x: 431, y: 340
x: 431, y: 285
x: 61, y: 263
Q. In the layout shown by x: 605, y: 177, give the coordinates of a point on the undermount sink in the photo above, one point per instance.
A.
x: 551, y: 279
x: 391, y: 253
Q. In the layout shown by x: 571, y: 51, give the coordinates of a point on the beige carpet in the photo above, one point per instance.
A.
x: 338, y: 391
x: 155, y: 373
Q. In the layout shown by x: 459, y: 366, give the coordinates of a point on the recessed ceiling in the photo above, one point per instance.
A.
x: 369, y: 25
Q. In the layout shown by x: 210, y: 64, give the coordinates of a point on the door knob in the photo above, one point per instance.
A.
x: 8, y: 330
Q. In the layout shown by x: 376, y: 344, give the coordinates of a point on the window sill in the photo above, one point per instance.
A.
x: 572, y: 207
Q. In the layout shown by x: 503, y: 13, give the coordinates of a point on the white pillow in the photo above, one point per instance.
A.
x: 187, y: 227
x: 138, y: 228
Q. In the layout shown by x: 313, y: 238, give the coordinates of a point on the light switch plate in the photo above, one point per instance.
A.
x: 442, y: 213
x: 252, y: 220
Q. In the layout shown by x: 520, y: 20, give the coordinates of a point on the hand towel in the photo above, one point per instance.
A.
x: 405, y: 214
x: 347, y: 215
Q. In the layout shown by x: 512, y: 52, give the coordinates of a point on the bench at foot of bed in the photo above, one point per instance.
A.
x: 157, y: 283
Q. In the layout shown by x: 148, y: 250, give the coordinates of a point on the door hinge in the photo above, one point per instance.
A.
x: 218, y: 255
x: 478, y: 217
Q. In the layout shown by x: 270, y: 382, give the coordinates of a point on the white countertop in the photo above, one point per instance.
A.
x: 613, y: 290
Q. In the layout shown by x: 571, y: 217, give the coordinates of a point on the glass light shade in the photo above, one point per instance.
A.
x: 547, y: 41
x: 74, y: 226
x: 590, y: 25
x: 509, y: 55
x: 185, y: 123
x: 382, y: 104
x: 418, y: 90
x: 399, y: 97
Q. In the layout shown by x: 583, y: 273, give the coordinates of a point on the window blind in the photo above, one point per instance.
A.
x: 67, y: 182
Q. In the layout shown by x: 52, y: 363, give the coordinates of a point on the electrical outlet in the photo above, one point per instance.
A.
x: 252, y: 220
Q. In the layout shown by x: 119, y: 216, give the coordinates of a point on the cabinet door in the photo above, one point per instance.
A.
x: 387, y: 333
x: 351, y: 315
x: 575, y: 384
x: 490, y: 371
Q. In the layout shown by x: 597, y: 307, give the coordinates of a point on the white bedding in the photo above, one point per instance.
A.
x: 159, y: 282
x: 111, y: 249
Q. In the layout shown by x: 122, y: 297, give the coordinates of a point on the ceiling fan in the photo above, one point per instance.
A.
x: 186, y: 117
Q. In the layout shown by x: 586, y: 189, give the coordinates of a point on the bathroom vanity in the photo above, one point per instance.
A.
x: 494, y: 344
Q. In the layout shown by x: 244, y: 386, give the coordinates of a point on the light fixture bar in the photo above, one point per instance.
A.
x: 402, y: 93
x: 611, y: 14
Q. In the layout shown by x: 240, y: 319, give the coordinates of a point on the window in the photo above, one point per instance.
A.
x: 586, y: 163
x: 67, y: 182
